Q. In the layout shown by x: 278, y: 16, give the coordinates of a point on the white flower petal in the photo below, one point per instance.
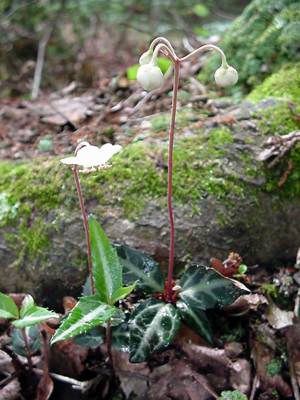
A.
x: 69, y: 161
x: 89, y: 157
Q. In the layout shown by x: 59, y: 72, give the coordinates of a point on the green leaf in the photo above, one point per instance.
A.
x: 27, y: 304
x: 33, y: 316
x: 131, y: 72
x: 122, y: 293
x: 8, y: 308
x: 164, y: 64
x: 197, y: 320
x: 33, y: 339
x: 107, y: 269
x: 88, y: 313
x: 153, y: 325
x: 92, y: 339
x: 204, y: 288
x: 140, y: 268
x: 201, y: 10
x: 120, y: 337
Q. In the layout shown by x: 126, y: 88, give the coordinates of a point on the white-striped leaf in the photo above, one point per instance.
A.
x: 8, y: 308
x: 197, y: 320
x: 153, y: 325
x: 33, y: 316
x: 88, y: 313
x: 107, y: 269
x: 204, y: 288
x: 140, y: 268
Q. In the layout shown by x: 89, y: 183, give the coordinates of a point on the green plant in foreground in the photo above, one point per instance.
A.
x: 29, y: 315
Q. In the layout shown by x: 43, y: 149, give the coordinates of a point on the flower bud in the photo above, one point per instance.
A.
x: 150, y: 77
x: 146, y: 57
x: 226, y: 76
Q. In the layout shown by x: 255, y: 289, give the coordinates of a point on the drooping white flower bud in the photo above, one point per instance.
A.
x: 226, y: 76
x: 150, y: 76
x: 146, y: 57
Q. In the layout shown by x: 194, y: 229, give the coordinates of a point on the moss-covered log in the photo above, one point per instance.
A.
x: 224, y: 200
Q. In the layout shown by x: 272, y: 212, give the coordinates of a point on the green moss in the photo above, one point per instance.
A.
x: 260, y: 41
x: 274, y: 367
x: 283, y: 84
x: 278, y: 120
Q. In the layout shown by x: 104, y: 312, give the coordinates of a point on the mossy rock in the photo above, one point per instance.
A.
x: 262, y: 39
x: 224, y: 200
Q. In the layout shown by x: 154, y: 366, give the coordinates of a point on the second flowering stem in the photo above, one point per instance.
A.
x: 86, y: 227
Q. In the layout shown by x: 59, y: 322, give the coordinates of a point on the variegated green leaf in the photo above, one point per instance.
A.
x: 33, y: 340
x: 107, y: 269
x: 204, y: 288
x: 197, y: 320
x: 120, y: 337
x: 88, y: 313
x: 34, y: 315
x: 8, y: 308
x: 122, y: 292
x: 153, y: 325
x: 140, y: 268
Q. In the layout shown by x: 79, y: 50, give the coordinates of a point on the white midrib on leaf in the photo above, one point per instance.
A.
x: 84, y: 320
x: 141, y: 274
x: 154, y: 323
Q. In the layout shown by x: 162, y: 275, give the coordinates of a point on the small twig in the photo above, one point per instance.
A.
x: 40, y: 62
x: 86, y: 226
x: 77, y: 385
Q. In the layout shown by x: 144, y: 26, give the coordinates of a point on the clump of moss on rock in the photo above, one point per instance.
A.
x: 263, y: 38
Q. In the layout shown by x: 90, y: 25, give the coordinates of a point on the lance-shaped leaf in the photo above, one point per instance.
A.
x: 140, y: 268
x: 153, y: 326
x: 197, y: 320
x: 107, y: 269
x: 204, y: 288
x: 33, y: 316
x: 8, y: 308
x: 122, y: 292
x: 88, y: 313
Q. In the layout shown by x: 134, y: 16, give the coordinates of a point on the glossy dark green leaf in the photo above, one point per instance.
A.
x: 33, y: 339
x: 92, y: 339
x: 8, y: 308
x: 88, y: 313
x: 107, y: 269
x: 140, y: 268
x: 197, y: 320
x: 120, y: 337
x: 153, y: 325
x: 204, y: 288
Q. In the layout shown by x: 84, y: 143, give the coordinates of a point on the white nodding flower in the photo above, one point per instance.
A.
x: 150, y: 76
x: 90, y: 157
x: 226, y: 76
x: 146, y: 57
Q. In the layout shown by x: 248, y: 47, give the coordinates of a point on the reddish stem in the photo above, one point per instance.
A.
x: 168, y: 290
x: 86, y: 227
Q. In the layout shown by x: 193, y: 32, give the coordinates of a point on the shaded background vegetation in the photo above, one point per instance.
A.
x: 93, y: 39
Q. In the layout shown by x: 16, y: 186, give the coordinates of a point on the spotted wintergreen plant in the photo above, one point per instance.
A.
x: 155, y: 322
x: 98, y: 308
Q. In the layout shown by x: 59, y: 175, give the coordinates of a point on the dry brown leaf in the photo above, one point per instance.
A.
x: 45, y: 387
